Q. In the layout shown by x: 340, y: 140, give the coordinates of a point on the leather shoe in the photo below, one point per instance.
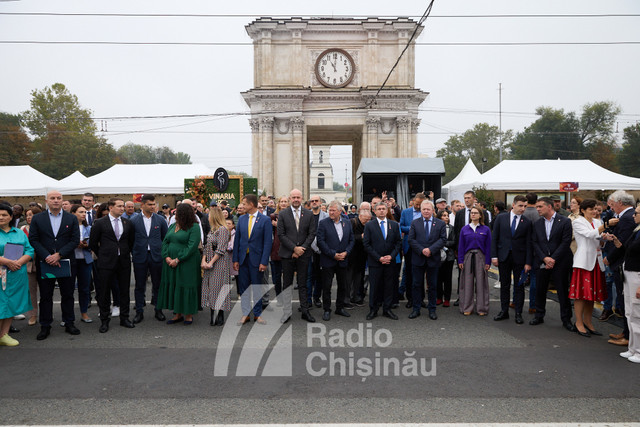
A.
x: 138, y: 317
x: 395, y: 305
x: 342, y: 312
x: 317, y: 302
x: 532, y: 310
x: 606, y: 314
x: 127, y: 323
x: 456, y: 303
x: 285, y: 318
x: 307, y: 316
x: 621, y: 341
x: 160, y: 316
x: 433, y: 315
x: 44, y: 333
x: 616, y: 336
x: 173, y: 321
x: 70, y: 328
x: 519, y: 320
x: 569, y: 326
x: 423, y: 304
x: 390, y: 314
x: 104, y: 327
x: 409, y: 304
x: 536, y: 321
x: 372, y: 314
x: 13, y: 330
x: 503, y: 315
x: 326, y: 316
x: 585, y: 334
x: 414, y: 314
x: 593, y: 331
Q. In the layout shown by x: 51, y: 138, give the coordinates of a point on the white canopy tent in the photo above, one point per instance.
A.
x: 75, y: 180
x: 468, y: 177
x: 16, y: 181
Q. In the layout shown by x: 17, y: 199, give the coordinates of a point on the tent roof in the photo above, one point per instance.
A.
x: 76, y: 179
x: 135, y: 179
x: 468, y: 174
x: 24, y: 180
x: 548, y: 174
x: 401, y: 166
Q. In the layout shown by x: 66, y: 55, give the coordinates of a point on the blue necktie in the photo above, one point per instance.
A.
x: 513, y: 224
x: 384, y: 232
x: 427, y: 227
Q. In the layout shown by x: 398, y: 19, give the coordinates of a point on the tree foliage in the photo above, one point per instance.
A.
x: 16, y: 144
x: 481, y: 142
x: 145, y: 155
x: 629, y: 156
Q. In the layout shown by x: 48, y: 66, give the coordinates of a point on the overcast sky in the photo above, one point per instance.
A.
x: 147, y: 80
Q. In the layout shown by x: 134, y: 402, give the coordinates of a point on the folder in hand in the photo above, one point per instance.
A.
x: 52, y: 272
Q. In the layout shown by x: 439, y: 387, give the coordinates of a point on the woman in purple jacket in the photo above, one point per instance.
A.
x: 474, y: 258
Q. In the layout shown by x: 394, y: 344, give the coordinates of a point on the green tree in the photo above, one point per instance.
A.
x: 337, y: 186
x: 145, y: 155
x: 481, y: 142
x: 65, y: 135
x: 629, y: 157
x: 16, y: 144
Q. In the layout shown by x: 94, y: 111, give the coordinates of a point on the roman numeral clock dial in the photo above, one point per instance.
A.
x: 334, y: 68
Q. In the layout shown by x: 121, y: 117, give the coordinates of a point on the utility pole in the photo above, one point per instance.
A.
x: 500, y: 118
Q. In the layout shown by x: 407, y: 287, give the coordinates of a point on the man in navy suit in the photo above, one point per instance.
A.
x: 335, y: 240
x: 87, y: 201
x: 54, y: 235
x: 427, y: 236
x: 406, y: 218
x: 251, y: 250
x: 511, y: 252
x: 551, y: 239
x: 149, y: 229
x: 382, y: 242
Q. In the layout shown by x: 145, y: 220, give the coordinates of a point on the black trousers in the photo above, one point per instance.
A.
x: 381, y: 286
x: 445, y: 274
x: 327, y: 281
x: 300, y: 266
x: 559, y: 276
x: 67, y: 286
x: 122, y: 272
x: 619, y: 281
x: 507, y: 268
x: 356, y: 277
x: 140, y: 271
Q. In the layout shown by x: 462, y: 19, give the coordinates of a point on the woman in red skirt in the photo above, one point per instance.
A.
x: 587, y: 281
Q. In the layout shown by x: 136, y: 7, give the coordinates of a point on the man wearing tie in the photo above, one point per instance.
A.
x: 149, y: 229
x: 512, y: 253
x: 382, y: 242
x: 406, y: 218
x: 551, y: 239
x: 87, y: 201
x: 296, y: 231
x: 54, y: 235
x: 251, y: 250
x: 427, y: 236
x: 335, y: 240
x: 111, y: 239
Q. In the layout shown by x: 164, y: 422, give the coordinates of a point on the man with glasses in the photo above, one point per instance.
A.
x: 314, y: 284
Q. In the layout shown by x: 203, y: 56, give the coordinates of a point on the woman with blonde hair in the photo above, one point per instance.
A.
x: 216, y: 265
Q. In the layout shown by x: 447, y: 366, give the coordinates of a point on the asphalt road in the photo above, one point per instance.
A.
x: 476, y: 370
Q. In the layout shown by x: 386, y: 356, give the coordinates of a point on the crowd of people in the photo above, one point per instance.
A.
x: 192, y: 255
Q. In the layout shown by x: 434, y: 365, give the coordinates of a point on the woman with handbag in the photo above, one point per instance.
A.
x: 216, y: 265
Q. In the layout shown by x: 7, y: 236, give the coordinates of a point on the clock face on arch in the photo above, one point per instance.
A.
x: 334, y: 68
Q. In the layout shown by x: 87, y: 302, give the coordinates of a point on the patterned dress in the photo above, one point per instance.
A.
x: 216, y: 281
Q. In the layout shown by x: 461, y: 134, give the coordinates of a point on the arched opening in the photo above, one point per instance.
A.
x: 321, y: 181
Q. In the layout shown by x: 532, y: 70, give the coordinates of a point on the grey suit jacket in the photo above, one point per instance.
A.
x: 290, y: 237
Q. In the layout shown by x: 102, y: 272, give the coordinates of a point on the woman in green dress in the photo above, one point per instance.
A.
x: 181, y: 267
x: 14, y: 287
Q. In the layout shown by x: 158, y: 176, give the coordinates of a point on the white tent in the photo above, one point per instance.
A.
x: 75, y: 180
x: 548, y: 174
x: 16, y: 181
x: 140, y: 179
x: 464, y: 181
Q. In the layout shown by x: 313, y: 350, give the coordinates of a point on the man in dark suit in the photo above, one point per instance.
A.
x: 357, y: 259
x: 149, y: 229
x: 251, y: 250
x: 406, y: 218
x: 382, y: 242
x: 54, y: 235
x: 551, y: 239
x: 87, y: 201
x: 623, y: 225
x: 335, y: 240
x: 512, y: 253
x: 296, y: 231
x: 427, y: 236
x: 111, y: 239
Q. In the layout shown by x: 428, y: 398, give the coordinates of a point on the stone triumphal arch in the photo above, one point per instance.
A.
x: 315, y: 83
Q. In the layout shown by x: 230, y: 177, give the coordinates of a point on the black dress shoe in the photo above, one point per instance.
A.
x: 401, y: 297
x: 358, y: 302
x: 372, y: 314
x: 219, y: 318
x: 127, y: 323
x: 285, y: 318
x: 569, y: 326
x: 536, y: 321
x: 307, y: 316
x: 44, y: 333
x: 409, y: 304
x: 433, y: 315
x: 503, y: 315
x: 348, y: 306
x: 326, y: 316
x: 138, y: 317
x: 70, y: 328
x: 395, y: 305
x: 457, y: 303
x: 174, y: 321
x: 159, y: 316
x: 519, y: 320
x: 593, y: 332
x: 585, y: 334
x: 423, y: 304
x: 414, y: 314
x: 342, y: 312
x: 104, y: 327
x: 317, y: 302
x: 13, y: 329
x: 390, y: 314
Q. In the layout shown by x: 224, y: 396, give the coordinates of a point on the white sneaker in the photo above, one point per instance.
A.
x: 115, y: 311
x: 627, y: 354
x: 635, y: 358
x: 19, y: 317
